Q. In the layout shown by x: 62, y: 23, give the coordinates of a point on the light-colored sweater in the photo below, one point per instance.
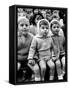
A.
x: 43, y: 46
x: 23, y: 46
x: 59, y: 43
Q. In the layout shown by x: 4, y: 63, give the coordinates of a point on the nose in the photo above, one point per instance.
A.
x: 45, y: 30
x: 24, y: 27
x: 57, y: 29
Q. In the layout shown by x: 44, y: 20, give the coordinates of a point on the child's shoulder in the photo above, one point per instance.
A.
x: 31, y: 35
x: 62, y: 38
x: 36, y: 37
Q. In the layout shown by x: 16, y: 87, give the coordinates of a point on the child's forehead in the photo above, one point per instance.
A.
x: 55, y: 24
x: 44, y: 25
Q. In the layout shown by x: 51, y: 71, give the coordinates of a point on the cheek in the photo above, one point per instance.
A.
x: 58, y: 29
x: 19, y: 28
x: 53, y: 29
x: 41, y: 30
x: 28, y: 28
x: 47, y: 30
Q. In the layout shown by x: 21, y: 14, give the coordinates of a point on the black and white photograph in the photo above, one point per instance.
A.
x: 40, y: 45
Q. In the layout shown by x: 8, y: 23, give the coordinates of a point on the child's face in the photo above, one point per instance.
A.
x: 23, y: 27
x: 44, y: 29
x: 55, y: 29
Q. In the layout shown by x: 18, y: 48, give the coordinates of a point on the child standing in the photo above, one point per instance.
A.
x: 24, y: 42
x: 42, y: 43
x: 58, y: 41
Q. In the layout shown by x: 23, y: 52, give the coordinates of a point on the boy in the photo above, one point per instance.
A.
x: 58, y: 41
x: 24, y: 41
x: 42, y: 43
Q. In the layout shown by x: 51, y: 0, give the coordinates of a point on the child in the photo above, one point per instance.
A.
x: 42, y: 43
x: 24, y: 41
x: 58, y: 41
x: 56, y: 16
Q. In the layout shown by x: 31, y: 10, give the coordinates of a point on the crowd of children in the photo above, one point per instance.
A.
x: 41, y: 44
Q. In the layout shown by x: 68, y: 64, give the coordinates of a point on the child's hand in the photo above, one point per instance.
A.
x: 31, y: 62
x: 54, y: 58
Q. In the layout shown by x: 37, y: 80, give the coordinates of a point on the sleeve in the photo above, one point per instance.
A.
x: 63, y: 45
x: 64, y: 42
x: 32, y: 48
x: 55, y: 51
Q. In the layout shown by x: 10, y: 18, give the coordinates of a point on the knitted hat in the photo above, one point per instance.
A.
x: 42, y: 22
x: 54, y: 21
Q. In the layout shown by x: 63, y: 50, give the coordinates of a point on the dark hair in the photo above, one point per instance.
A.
x: 34, y: 16
x: 55, y: 22
x: 43, y: 22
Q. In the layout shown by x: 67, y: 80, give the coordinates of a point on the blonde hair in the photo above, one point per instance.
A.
x: 22, y: 18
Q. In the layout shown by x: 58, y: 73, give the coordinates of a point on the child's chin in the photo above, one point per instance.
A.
x: 25, y: 33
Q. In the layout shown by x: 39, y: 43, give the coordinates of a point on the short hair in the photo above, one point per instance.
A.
x: 43, y: 22
x: 54, y: 22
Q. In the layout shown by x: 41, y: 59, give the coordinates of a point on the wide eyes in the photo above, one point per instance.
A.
x: 56, y: 27
x: 26, y: 25
x: 23, y: 25
x: 44, y: 27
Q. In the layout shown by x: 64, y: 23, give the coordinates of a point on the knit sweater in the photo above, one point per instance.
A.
x: 43, y: 46
x: 59, y: 42
x: 23, y: 46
